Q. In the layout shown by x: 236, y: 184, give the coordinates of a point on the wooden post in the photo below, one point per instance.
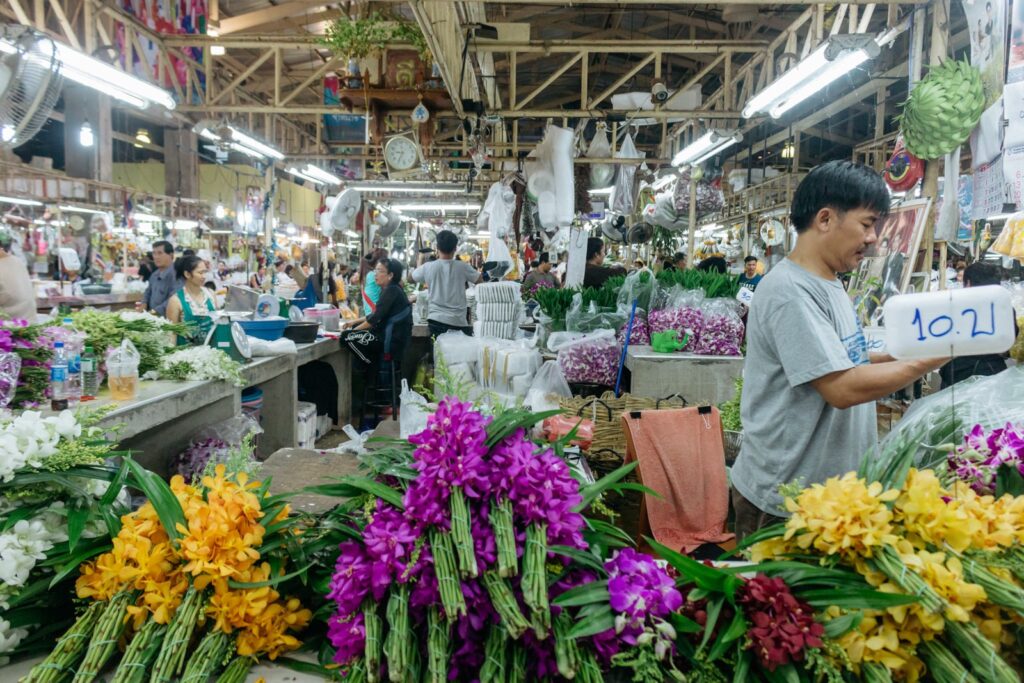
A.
x: 692, y: 233
x: 930, y: 186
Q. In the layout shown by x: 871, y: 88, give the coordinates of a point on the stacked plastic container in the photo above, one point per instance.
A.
x: 498, y: 307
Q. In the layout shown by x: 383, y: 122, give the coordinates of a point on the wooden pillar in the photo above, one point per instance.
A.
x: 181, y: 162
x: 692, y: 232
x: 930, y: 186
x: 83, y: 104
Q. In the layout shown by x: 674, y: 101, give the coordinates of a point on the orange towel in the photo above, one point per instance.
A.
x: 682, y: 458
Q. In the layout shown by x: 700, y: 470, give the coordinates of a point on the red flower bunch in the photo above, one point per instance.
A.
x: 783, y: 627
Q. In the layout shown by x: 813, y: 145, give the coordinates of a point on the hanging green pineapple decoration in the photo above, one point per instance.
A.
x: 942, y: 110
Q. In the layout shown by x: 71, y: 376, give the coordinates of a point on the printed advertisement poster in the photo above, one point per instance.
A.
x: 989, y: 190
x: 1015, y: 62
x: 986, y: 23
x: 965, y: 198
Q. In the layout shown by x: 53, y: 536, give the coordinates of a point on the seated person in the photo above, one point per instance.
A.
x: 366, y: 336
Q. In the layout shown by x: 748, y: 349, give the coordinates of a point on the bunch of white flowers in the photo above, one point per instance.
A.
x: 135, y: 316
x: 25, y: 544
x: 10, y: 638
x: 29, y: 439
x: 201, y: 363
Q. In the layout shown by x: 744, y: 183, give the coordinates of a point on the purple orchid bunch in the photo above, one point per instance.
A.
x: 531, y: 293
x: 19, y: 337
x: 982, y: 454
x: 465, y: 559
x: 191, y: 462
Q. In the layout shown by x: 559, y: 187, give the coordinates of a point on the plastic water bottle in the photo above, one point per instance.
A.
x: 90, y: 374
x: 59, y: 378
x: 74, y: 356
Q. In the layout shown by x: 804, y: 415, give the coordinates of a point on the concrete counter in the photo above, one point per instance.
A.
x: 698, y: 379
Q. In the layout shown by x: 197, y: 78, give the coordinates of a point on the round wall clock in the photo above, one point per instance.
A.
x: 401, y: 153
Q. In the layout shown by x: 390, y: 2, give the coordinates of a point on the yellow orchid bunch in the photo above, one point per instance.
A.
x: 171, y: 568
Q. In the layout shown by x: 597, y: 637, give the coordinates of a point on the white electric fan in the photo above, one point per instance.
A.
x: 30, y: 83
x: 613, y: 227
x: 341, y: 212
x: 388, y: 222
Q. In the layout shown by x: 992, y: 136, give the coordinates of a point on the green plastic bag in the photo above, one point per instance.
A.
x: 669, y: 341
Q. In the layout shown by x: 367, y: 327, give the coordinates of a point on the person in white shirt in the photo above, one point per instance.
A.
x: 446, y: 280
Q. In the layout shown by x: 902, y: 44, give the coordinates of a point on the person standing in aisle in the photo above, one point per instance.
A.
x: 163, y: 283
x: 809, y: 383
x: 750, y: 279
x: 595, y: 272
x: 542, y: 273
x: 446, y: 280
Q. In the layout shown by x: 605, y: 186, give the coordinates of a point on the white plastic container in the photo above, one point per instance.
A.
x: 328, y: 316
x: 957, y: 322
x: 305, y: 425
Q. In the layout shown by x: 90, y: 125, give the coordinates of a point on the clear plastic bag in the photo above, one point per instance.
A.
x: 682, y: 312
x: 722, y: 330
x: 640, y: 285
x: 122, y: 367
x: 601, y: 175
x: 231, y: 431
x: 592, y: 318
x: 10, y: 367
x: 413, y: 417
x: 214, y: 443
x: 640, y: 334
x: 456, y: 348
x: 547, y: 388
x: 590, y: 359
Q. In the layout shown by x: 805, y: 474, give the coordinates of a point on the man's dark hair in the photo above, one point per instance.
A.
x: 544, y: 258
x: 715, y: 264
x: 981, y: 274
x: 594, y: 247
x: 749, y: 259
x: 164, y: 246
x: 447, y: 241
x: 396, y: 269
x: 678, y: 256
x: 840, y: 185
x: 188, y: 252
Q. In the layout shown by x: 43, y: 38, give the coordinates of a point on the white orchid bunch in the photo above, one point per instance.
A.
x: 136, y: 316
x: 198, y: 363
x: 29, y: 439
x: 10, y: 638
x: 27, y: 543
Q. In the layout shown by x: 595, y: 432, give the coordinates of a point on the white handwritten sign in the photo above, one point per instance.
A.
x: 958, y: 322
x: 745, y: 296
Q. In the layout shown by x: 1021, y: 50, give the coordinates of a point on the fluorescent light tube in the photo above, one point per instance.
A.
x: 79, y: 209
x: 436, y: 207
x: 425, y: 188
x: 320, y: 175
x: 841, y: 66
x: 108, y: 79
x: 299, y: 174
x: 706, y: 146
x: 248, y: 151
x: 352, y: 233
x: 146, y: 217
x: 254, y: 144
x: 603, y: 191
x: 185, y: 224
x: 19, y: 200
x: 221, y: 232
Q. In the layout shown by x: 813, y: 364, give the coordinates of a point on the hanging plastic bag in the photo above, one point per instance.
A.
x: 640, y: 285
x: 547, y: 389
x: 601, y: 175
x: 10, y: 367
x: 558, y: 426
x: 590, y: 359
x: 590, y: 318
x: 682, y: 313
x: 413, y: 417
x: 640, y: 334
x: 624, y: 198
x: 722, y: 331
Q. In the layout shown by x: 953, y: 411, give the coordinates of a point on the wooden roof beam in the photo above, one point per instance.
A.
x: 266, y: 15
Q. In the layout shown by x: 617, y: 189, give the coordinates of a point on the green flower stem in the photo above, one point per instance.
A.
x: 876, y: 673
x: 493, y: 669
x: 179, y: 633
x: 69, y: 648
x: 208, y: 657
x: 534, y: 582
x: 504, y: 538
x: 567, y: 654
x: 462, y: 534
x: 399, y: 640
x: 238, y: 670
x: 504, y: 602
x: 889, y: 563
x: 373, y: 651
x: 140, y: 653
x: 979, y: 654
x: 108, y: 630
x: 517, y: 668
x: 452, y: 600
x: 1000, y: 592
x: 943, y: 666
x: 438, y: 647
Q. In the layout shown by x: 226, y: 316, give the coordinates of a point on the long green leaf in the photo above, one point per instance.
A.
x: 737, y: 627
x: 773, y: 531
x: 591, y: 492
x: 77, y: 517
x: 75, y: 561
x: 714, y: 611
x: 582, y: 557
x: 690, y: 570
x: 167, y: 507
x: 588, y: 593
x: 684, y: 624
x: 856, y: 598
x: 351, y: 486
x: 835, y: 628
x: 269, y: 582
x: 742, y: 672
x: 598, y: 623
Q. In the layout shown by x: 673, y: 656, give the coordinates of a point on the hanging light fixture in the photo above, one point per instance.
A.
x: 142, y: 138
x: 219, y: 211
x: 85, y: 136
x: 788, y: 150
x: 706, y: 146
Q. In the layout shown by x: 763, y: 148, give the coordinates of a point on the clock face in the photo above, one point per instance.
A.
x: 401, y: 153
x: 241, y: 340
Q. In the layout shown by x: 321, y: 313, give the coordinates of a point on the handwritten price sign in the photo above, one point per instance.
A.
x: 958, y: 322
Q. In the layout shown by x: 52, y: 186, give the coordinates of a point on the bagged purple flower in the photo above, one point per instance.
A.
x: 641, y: 334
x: 191, y: 462
x: 591, y: 359
x: 681, y: 312
x: 722, y: 333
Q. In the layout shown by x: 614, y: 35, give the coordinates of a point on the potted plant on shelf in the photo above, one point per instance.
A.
x: 357, y: 39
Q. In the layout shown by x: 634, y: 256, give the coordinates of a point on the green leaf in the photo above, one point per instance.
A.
x: 774, y: 531
x: 270, y: 582
x: 582, y: 557
x: 834, y: 628
x: 18, y: 514
x: 507, y: 423
x: 588, y: 593
x: 690, y: 570
x: 610, y: 531
x: 591, y: 492
x: 598, y: 623
x: 1009, y: 480
x: 77, y: 517
x: 782, y: 674
x: 684, y: 624
x: 352, y: 486
x: 737, y: 627
x: 72, y: 563
x: 741, y: 674
x: 851, y: 598
x: 714, y: 611
x: 167, y: 507
x: 307, y: 668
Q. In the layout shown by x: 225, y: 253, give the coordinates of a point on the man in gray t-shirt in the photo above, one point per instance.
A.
x: 809, y: 384
x: 446, y: 280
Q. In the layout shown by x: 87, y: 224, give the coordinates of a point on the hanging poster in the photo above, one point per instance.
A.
x: 986, y: 23
x: 965, y: 197
x: 989, y: 190
x: 1015, y: 60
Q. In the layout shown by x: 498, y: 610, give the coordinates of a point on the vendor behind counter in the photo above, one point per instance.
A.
x: 17, y: 295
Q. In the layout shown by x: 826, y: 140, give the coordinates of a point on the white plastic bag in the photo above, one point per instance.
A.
x: 456, y: 348
x: 413, y: 417
x: 624, y: 197
x: 548, y: 387
x: 591, y: 359
x: 601, y: 175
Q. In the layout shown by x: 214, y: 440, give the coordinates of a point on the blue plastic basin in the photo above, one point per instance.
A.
x: 268, y: 330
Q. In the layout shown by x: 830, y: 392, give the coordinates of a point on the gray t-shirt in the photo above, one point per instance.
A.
x: 446, y: 281
x: 801, y: 327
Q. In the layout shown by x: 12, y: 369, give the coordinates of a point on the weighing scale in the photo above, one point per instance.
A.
x: 228, y: 336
